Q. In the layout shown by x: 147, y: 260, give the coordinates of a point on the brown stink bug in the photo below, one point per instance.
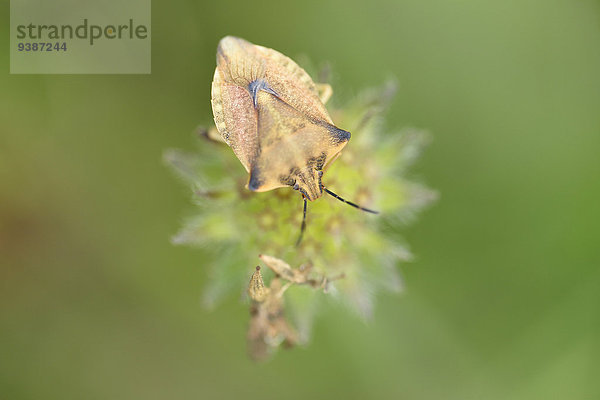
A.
x: 268, y: 110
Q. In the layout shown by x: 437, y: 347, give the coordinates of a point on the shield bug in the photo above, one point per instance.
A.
x: 268, y: 110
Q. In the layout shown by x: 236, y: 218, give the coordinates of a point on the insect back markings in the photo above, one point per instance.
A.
x: 257, y: 85
x: 268, y: 110
x: 297, y: 177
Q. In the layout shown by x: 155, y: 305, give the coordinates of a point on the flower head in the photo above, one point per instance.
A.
x: 235, y: 225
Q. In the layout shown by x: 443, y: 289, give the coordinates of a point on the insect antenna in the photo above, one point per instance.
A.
x: 329, y: 192
x: 303, y: 226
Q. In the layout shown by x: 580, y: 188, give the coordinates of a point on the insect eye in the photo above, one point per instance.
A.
x: 296, y: 186
x: 320, y: 173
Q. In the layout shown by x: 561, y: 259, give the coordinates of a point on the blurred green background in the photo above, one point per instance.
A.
x: 502, y: 302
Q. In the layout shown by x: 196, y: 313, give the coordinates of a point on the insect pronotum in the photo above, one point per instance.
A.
x: 268, y: 110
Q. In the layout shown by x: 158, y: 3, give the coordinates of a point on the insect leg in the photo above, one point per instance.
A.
x: 211, y: 134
